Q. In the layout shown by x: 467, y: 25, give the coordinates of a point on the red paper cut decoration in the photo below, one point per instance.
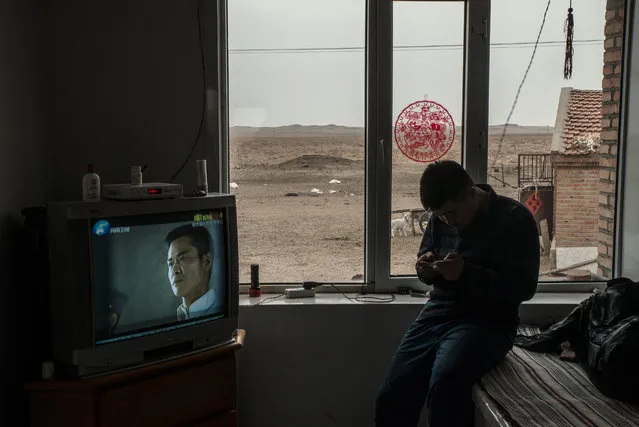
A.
x: 424, y: 131
x: 534, y: 203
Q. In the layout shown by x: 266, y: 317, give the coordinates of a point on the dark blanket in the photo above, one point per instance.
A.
x: 603, y: 331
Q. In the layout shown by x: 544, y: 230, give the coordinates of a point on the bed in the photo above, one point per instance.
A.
x: 540, y: 390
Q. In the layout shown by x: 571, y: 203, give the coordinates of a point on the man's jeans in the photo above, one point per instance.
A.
x: 438, y: 361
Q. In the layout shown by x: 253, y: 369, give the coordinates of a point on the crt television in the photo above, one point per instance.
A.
x: 135, y: 282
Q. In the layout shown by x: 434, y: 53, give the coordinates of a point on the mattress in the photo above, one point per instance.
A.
x: 539, y: 390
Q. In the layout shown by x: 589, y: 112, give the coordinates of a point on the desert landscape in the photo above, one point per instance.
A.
x: 298, y: 226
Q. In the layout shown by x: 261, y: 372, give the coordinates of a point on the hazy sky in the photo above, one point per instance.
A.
x: 281, y: 72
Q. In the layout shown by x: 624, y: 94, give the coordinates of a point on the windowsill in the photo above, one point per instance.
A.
x: 540, y: 299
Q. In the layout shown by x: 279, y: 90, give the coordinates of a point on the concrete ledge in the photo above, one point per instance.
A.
x: 543, y: 309
x: 545, y: 298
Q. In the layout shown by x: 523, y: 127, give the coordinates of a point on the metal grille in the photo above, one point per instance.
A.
x: 535, y: 169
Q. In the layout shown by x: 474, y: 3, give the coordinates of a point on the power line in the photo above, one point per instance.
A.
x: 500, y: 45
x: 523, y: 80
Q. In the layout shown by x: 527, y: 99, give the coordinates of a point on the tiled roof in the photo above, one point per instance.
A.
x: 581, y: 130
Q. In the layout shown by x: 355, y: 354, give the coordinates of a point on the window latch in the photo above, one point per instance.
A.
x: 483, y: 28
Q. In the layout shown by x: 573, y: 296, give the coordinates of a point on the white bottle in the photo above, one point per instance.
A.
x: 91, y: 186
x: 48, y: 369
x: 136, y: 175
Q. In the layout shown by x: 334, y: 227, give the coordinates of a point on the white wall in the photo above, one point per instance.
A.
x: 317, y: 365
x: 125, y: 80
x: 21, y: 172
x: 630, y: 218
x: 322, y: 365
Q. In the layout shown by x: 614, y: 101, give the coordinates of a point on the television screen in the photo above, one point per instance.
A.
x: 153, y: 273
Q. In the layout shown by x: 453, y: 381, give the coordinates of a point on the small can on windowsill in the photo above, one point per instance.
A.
x: 255, y: 290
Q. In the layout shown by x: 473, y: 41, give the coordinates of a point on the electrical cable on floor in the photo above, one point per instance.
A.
x: 268, y: 299
x: 365, y: 298
x: 361, y: 298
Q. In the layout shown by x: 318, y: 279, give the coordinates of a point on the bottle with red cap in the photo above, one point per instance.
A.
x: 254, y: 289
x: 91, y: 185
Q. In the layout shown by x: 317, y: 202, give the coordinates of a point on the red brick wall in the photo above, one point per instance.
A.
x: 576, y: 202
x: 610, y: 129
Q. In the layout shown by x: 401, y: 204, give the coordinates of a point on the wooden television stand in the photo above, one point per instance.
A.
x: 198, y: 390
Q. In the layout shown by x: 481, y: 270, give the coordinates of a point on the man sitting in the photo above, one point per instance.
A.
x: 480, y: 252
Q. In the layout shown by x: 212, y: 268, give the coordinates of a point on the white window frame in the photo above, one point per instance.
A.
x: 474, y: 122
x: 379, y: 138
x: 625, y: 153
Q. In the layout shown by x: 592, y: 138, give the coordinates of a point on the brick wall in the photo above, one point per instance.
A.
x: 576, y: 201
x: 610, y: 131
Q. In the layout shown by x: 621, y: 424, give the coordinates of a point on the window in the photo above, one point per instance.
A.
x: 544, y: 150
x: 296, y: 137
x: 319, y: 137
x: 428, y: 80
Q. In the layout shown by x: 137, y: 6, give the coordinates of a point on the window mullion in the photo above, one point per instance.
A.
x: 476, y: 89
x: 379, y: 140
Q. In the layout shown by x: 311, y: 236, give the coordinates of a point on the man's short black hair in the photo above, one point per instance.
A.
x: 199, y: 236
x: 442, y: 181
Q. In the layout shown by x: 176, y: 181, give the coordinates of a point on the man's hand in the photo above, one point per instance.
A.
x: 424, y: 265
x: 451, y: 267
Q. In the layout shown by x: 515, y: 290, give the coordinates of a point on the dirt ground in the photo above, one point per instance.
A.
x: 295, y: 234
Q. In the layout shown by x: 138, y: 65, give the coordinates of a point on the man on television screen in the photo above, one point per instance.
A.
x: 117, y: 301
x: 190, y: 261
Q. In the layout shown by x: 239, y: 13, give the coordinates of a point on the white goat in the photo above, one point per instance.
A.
x: 403, y: 226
